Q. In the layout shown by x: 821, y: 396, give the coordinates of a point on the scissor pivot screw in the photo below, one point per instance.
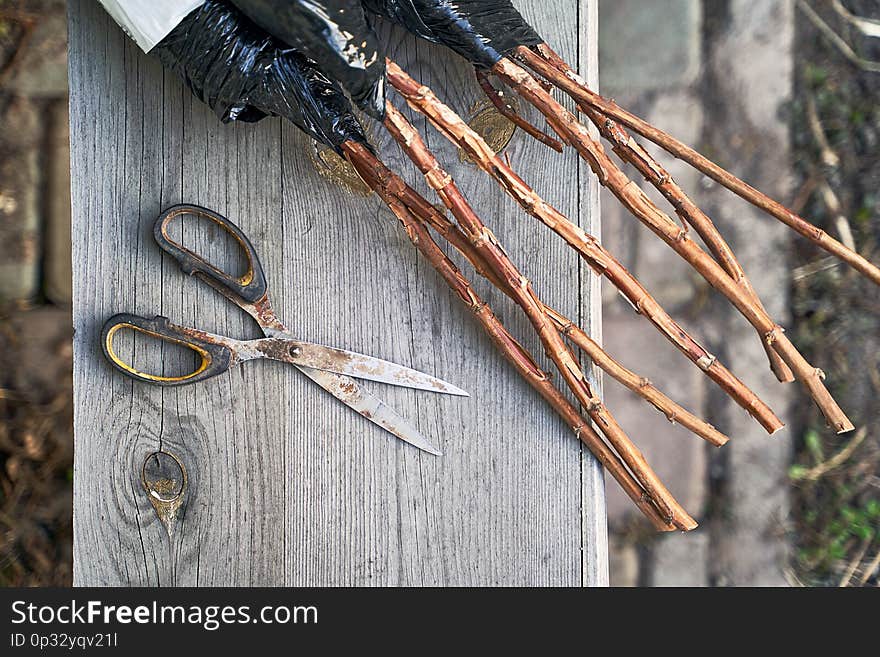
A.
x: 294, y: 351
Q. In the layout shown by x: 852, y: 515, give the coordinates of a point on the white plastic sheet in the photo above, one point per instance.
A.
x: 147, y: 23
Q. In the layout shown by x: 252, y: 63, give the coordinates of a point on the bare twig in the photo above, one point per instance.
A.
x: 870, y: 570
x: 805, y: 192
x: 836, y: 40
x: 630, y: 151
x: 639, y: 385
x: 855, y: 562
x: 813, y: 268
x: 870, y: 27
x: 830, y: 159
x: 509, y: 112
x: 28, y: 22
x: 832, y: 202
x: 828, y: 156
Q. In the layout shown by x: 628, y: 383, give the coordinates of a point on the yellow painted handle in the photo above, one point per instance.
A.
x: 215, y: 358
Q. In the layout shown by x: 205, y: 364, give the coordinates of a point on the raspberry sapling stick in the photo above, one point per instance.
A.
x: 637, y: 202
x: 389, y: 187
x: 423, y: 100
x: 637, y: 384
x: 577, y: 88
x: 521, y: 290
x: 507, y: 110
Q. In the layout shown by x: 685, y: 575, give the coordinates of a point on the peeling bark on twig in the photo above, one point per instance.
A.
x: 509, y: 112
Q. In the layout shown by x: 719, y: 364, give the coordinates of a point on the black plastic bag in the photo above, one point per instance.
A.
x: 243, y: 74
x: 482, y: 31
x: 336, y: 35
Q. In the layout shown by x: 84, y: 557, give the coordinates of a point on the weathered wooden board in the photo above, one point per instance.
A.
x: 287, y: 486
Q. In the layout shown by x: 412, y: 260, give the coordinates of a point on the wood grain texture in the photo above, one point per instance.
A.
x: 286, y: 485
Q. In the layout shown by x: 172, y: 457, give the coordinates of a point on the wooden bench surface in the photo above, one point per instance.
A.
x: 286, y: 485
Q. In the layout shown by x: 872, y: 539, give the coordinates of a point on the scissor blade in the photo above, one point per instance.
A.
x: 350, y: 393
x: 360, y: 366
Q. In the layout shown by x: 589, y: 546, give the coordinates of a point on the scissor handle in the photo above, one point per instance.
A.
x: 216, y: 358
x: 250, y: 287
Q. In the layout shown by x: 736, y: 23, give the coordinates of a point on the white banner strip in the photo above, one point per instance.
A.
x: 148, y: 22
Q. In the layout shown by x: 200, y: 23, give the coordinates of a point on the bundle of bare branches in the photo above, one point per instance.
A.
x: 504, y: 49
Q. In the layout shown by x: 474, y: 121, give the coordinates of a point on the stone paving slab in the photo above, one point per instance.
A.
x: 731, y: 110
x: 681, y: 560
x: 677, y: 456
x: 753, y: 138
x: 645, y: 46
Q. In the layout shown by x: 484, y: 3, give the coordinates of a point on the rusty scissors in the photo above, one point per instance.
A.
x: 330, y: 368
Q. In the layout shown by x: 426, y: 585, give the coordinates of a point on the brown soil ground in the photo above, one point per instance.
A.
x: 36, y: 447
x: 837, y: 509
